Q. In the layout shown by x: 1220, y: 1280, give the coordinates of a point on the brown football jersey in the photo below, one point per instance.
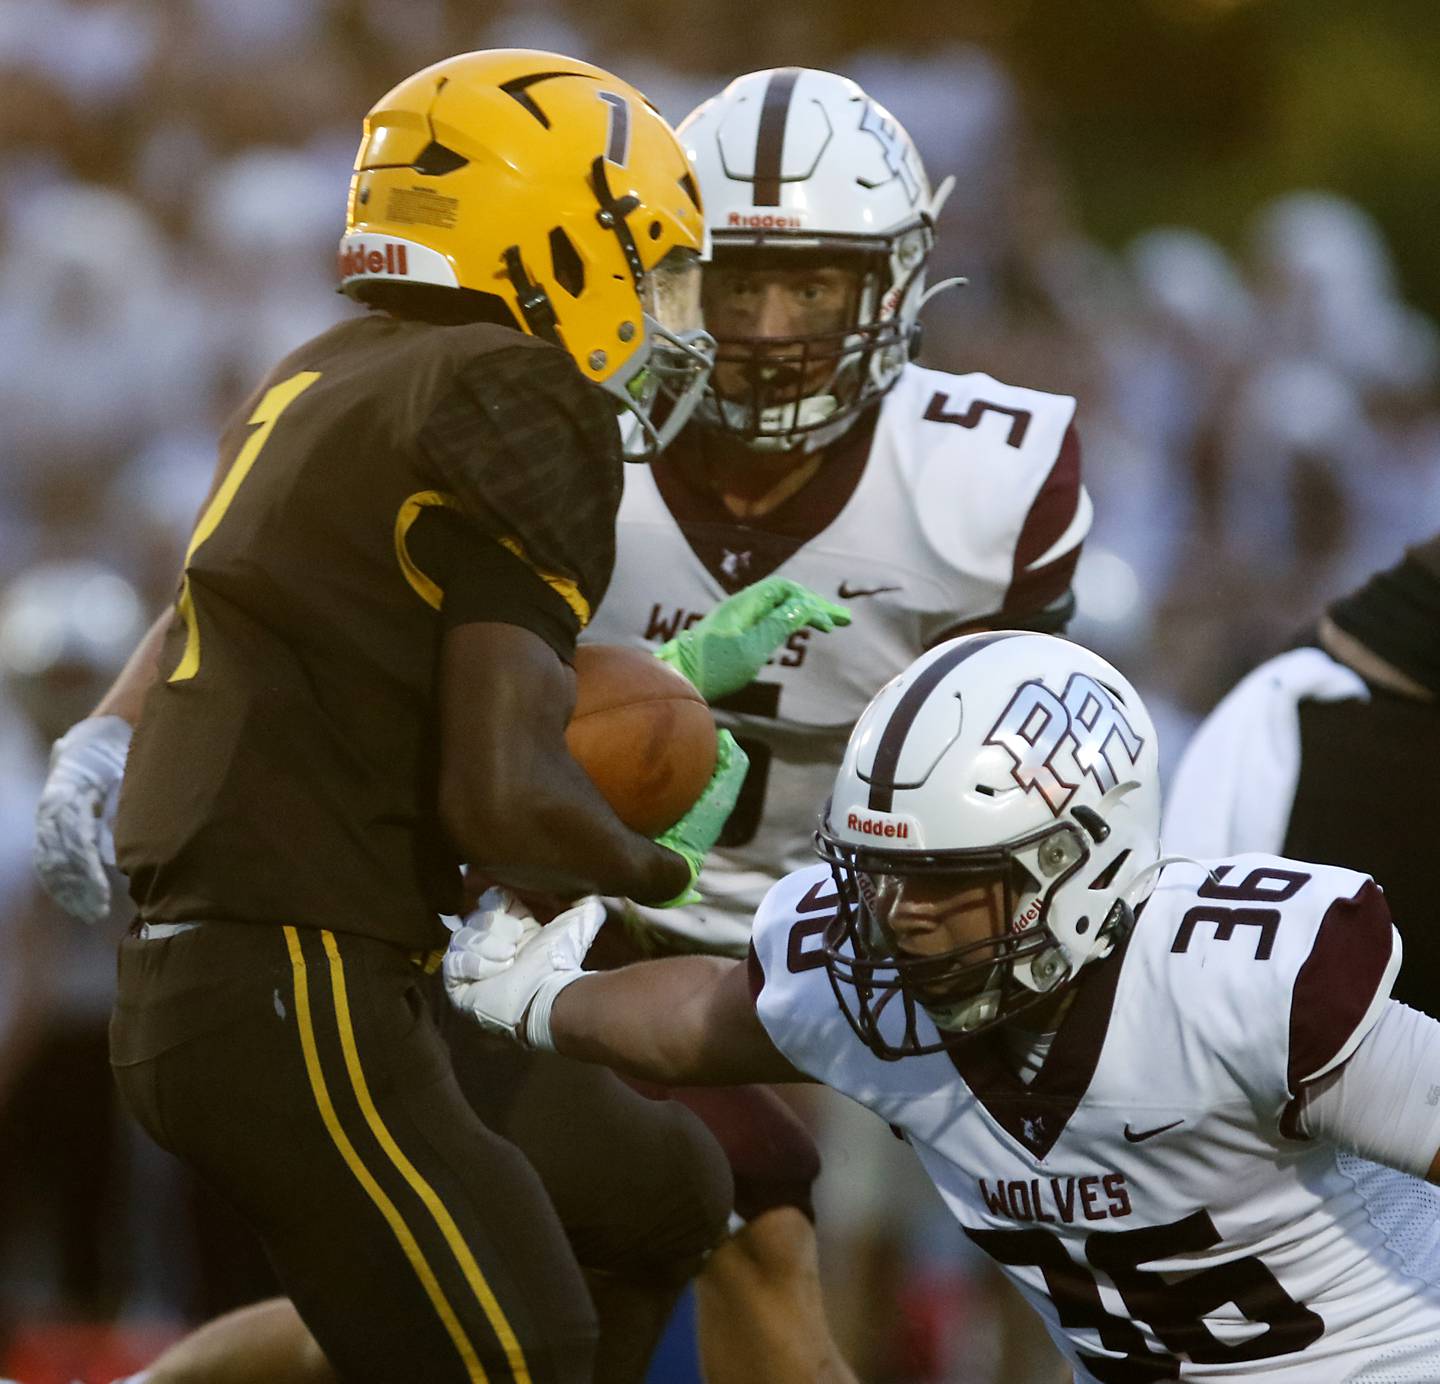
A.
x: 388, y: 478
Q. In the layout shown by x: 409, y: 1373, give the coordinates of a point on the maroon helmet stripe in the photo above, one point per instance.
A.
x: 770, y: 141
x: 881, y: 777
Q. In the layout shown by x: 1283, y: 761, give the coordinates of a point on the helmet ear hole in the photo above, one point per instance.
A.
x: 1106, y: 877
x: 568, y: 266
x: 436, y: 159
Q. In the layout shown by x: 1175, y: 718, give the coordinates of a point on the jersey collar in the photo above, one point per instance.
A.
x: 1035, y: 1116
x: 737, y: 552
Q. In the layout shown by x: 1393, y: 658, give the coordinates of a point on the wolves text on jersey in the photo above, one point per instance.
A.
x: 662, y: 627
x: 1058, y: 1200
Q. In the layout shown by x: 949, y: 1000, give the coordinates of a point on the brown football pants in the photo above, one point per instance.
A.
x: 301, y: 1074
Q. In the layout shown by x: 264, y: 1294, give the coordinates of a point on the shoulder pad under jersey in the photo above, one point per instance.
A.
x: 992, y: 472
x: 1279, y: 966
x: 788, y: 978
x: 798, y: 1009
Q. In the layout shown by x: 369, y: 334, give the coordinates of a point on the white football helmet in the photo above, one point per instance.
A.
x: 1001, y: 759
x: 804, y: 162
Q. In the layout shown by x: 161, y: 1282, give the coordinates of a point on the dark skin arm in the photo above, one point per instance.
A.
x: 680, y: 1021
x: 515, y: 803
x: 126, y: 695
x: 510, y: 792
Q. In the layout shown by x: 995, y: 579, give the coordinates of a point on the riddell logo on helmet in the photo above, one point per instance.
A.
x: 364, y: 259
x: 1027, y: 917
x: 763, y: 221
x: 890, y: 828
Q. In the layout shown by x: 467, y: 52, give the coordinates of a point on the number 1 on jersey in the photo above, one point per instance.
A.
x: 276, y: 400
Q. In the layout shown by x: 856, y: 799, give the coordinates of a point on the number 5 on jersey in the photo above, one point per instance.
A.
x: 276, y: 400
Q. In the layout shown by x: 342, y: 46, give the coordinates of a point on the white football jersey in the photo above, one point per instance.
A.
x: 1143, y: 1191
x: 962, y: 502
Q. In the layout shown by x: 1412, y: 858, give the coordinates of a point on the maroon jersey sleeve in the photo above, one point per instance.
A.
x: 1342, y: 985
x: 1036, y: 588
x: 1038, y: 595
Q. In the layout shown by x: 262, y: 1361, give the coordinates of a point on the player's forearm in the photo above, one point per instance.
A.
x: 553, y: 833
x: 513, y: 800
x: 681, y: 1021
x: 126, y: 695
x: 648, y: 1021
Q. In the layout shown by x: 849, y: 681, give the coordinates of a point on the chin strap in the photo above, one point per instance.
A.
x: 612, y: 214
x: 1118, y: 925
x: 533, y: 301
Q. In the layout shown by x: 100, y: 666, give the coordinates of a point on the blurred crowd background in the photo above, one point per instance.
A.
x: 1210, y: 220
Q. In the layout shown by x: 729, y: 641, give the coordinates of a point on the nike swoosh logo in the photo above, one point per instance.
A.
x: 851, y: 593
x: 1134, y: 1137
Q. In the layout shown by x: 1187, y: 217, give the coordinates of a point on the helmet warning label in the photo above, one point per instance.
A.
x: 421, y: 206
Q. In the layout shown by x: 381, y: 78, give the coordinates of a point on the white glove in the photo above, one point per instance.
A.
x: 74, y: 837
x: 504, y: 969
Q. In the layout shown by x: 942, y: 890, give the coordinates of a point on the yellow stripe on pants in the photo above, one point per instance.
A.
x: 362, y: 1174
x: 443, y: 1220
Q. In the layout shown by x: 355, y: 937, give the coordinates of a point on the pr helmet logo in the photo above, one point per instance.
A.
x: 1055, y: 741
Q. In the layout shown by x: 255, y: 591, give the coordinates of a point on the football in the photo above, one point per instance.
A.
x: 643, y: 734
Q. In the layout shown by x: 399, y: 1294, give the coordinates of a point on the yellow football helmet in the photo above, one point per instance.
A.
x: 557, y: 188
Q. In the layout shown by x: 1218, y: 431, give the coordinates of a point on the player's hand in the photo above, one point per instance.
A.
x: 504, y: 969
x: 699, y: 829
x: 724, y: 651
x: 74, y: 838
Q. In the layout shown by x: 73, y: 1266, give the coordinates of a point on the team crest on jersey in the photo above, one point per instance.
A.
x: 1055, y: 741
x: 735, y: 563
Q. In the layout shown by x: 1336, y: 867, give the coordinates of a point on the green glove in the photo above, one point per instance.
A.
x: 699, y: 829
x: 724, y: 651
